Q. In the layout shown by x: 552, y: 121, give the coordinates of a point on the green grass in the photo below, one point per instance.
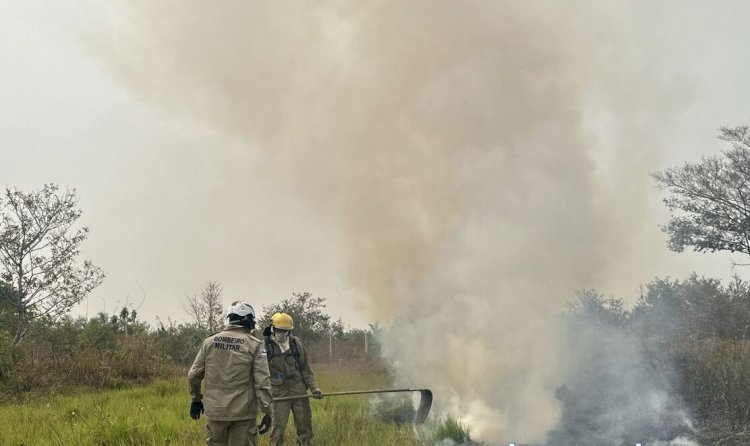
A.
x: 453, y: 430
x: 157, y: 414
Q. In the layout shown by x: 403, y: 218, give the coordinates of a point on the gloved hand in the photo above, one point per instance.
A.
x: 196, y: 407
x: 317, y: 393
x: 265, y: 424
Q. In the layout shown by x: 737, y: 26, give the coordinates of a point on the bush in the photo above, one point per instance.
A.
x: 133, y: 359
x: 718, y: 383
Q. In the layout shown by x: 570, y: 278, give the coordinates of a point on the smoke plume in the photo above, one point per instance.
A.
x: 475, y: 157
x: 616, y: 390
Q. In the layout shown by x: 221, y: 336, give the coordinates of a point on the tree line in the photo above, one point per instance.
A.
x: 677, y: 362
x: 42, y: 277
x: 689, y: 336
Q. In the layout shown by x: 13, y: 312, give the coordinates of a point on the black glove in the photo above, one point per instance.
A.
x: 317, y: 394
x: 196, y: 407
x: 265, y: 424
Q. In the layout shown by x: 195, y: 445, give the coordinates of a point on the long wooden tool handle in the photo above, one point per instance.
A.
x: 351, y: 392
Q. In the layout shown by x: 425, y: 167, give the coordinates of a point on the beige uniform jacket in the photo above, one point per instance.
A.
x: 233, y: 367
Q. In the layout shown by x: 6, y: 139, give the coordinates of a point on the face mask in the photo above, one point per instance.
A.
x: 280, y: 336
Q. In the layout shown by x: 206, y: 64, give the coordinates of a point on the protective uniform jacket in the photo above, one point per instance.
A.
x: 290, y: 372
x: 233, y: 367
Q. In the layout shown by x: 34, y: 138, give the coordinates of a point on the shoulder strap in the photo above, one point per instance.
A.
x: 295, y: 350
x: 271, y: 350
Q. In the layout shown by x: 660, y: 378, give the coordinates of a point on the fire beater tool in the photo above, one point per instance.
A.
x: 425, y: 401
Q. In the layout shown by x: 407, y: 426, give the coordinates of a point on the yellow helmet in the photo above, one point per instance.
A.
x: 282, y: 321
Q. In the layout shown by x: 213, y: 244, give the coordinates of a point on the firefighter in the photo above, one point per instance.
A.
x: 290, y: 375
x: 267, y: 330
x: 233, y: 368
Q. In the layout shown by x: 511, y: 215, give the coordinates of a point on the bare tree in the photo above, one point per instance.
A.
x: 206, y: 308
x: 39, y: 249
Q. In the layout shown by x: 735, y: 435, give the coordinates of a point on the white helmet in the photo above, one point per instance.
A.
x: 241, y: 309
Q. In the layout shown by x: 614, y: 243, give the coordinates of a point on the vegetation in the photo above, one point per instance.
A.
x: 452, y: 430
x: 681, y: 353
x: 205, y: 309
x: 311, y: 321
x: 42, y: 277
x: 112, y: 351
x: 157, y: 414
x: 393, y: 408
x: 710, y: 200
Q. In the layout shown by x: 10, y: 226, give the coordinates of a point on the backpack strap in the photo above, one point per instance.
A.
x: 272, y: 351
x: 295, y: 350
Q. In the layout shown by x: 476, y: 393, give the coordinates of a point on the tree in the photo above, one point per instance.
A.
x: 593, y: 307
x: 127, y: 322
x: 710, y: 200
x: 6, y: 304
x: 206, y: 308
x: 310, y: 319
x: 39, y: 250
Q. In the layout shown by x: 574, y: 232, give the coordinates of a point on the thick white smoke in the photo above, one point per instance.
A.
x: 459, y: 146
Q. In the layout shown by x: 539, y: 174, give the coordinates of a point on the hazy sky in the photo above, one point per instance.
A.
x: 174, y: 199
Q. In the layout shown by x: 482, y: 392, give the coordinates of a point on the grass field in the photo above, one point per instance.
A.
x: 157, y: 414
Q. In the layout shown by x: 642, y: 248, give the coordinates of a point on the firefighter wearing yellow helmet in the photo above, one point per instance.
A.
x: 232, y: 367
x: 290, y: 375
x: 267, y: 330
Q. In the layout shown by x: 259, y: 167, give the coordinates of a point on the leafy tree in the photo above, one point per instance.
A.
x: 126, y: 322
x: 310, y: 318
x: 39, y: 250
x: 206, y: 308
x: 97, y: 333
x: 710, y: 200
x: 593, y: 307
x: 694, y: 309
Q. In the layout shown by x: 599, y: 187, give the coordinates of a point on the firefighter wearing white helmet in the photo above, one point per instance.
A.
x: 231, y: 365
x: 290, y: 375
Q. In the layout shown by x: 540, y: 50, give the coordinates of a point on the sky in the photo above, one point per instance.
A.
x: 173, y: 198
x: 450, y: 169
